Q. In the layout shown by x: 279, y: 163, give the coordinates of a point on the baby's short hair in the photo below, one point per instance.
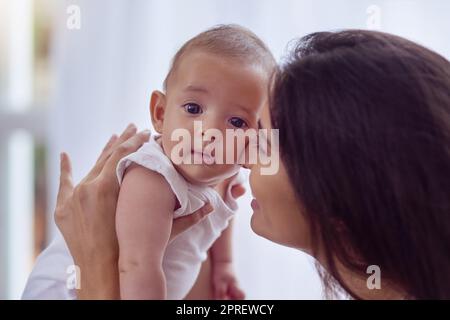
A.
x: 231, y: 41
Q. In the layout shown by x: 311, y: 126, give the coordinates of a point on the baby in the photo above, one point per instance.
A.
x: 219, y: 78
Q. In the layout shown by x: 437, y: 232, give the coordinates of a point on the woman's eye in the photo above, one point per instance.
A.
x: 238, y: 122
x: 193, y: 108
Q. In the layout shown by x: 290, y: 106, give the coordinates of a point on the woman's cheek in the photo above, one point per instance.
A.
x: 254, y: 224
x: 260, y: 224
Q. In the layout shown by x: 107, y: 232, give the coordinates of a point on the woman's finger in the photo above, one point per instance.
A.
x: 125, y: 148
x: 183, y: 223
x: 237, y: 191
x: 129, y: 131
x: 65, y: 179
x: 106, y: 150
x: 112, y: 144
x: 108, y: 147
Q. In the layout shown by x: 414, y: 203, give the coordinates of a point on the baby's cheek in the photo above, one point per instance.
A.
x: 232, y: 150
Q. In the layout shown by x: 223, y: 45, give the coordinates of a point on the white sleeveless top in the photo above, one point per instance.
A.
x: 52, y: 274
x: 184, y: 255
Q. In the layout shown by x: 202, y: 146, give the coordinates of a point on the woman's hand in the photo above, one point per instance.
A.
x: 237, y: 190
x: 85, y: 215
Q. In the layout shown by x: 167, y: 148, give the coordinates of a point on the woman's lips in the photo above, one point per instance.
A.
x: 255, y: 205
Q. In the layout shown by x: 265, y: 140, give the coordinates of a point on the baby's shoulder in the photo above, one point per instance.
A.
x: 143, y: 179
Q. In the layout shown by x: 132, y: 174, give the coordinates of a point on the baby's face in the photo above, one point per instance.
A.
x: 223, y: 94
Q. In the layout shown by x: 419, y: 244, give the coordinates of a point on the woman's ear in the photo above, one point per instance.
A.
x: 157, y: 109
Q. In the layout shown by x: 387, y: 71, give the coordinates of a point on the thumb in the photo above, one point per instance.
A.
x: 65, y: 179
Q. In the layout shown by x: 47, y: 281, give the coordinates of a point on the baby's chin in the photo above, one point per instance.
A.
x: 206, y: 175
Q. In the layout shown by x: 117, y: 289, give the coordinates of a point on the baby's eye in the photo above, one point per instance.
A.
x: 193, y: 108
x: 237, y: 122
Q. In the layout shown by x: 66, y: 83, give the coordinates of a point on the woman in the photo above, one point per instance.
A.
x: 364, y: 127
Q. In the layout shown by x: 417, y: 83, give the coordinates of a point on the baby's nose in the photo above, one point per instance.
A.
x: 246, y: 160
x: 211, y: 137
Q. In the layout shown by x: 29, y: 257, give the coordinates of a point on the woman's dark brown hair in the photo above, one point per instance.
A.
x: 364, y: 122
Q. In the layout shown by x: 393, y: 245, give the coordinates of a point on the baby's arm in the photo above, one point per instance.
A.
x: 224, y: 281
x: 221, y: 249
x: 143, y: 222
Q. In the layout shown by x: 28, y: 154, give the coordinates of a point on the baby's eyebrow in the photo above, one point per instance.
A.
x: 244, y: 109
x: 196, y: 89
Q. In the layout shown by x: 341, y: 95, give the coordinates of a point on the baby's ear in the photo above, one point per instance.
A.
x: 157, y: 109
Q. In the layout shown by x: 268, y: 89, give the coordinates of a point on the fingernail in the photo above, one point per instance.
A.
x: 208, y: 209
x: 131, y: 126
x: 113, y: 137
x: 145, y: 135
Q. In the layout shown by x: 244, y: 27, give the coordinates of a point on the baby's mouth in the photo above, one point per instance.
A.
x: 204, y: 157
